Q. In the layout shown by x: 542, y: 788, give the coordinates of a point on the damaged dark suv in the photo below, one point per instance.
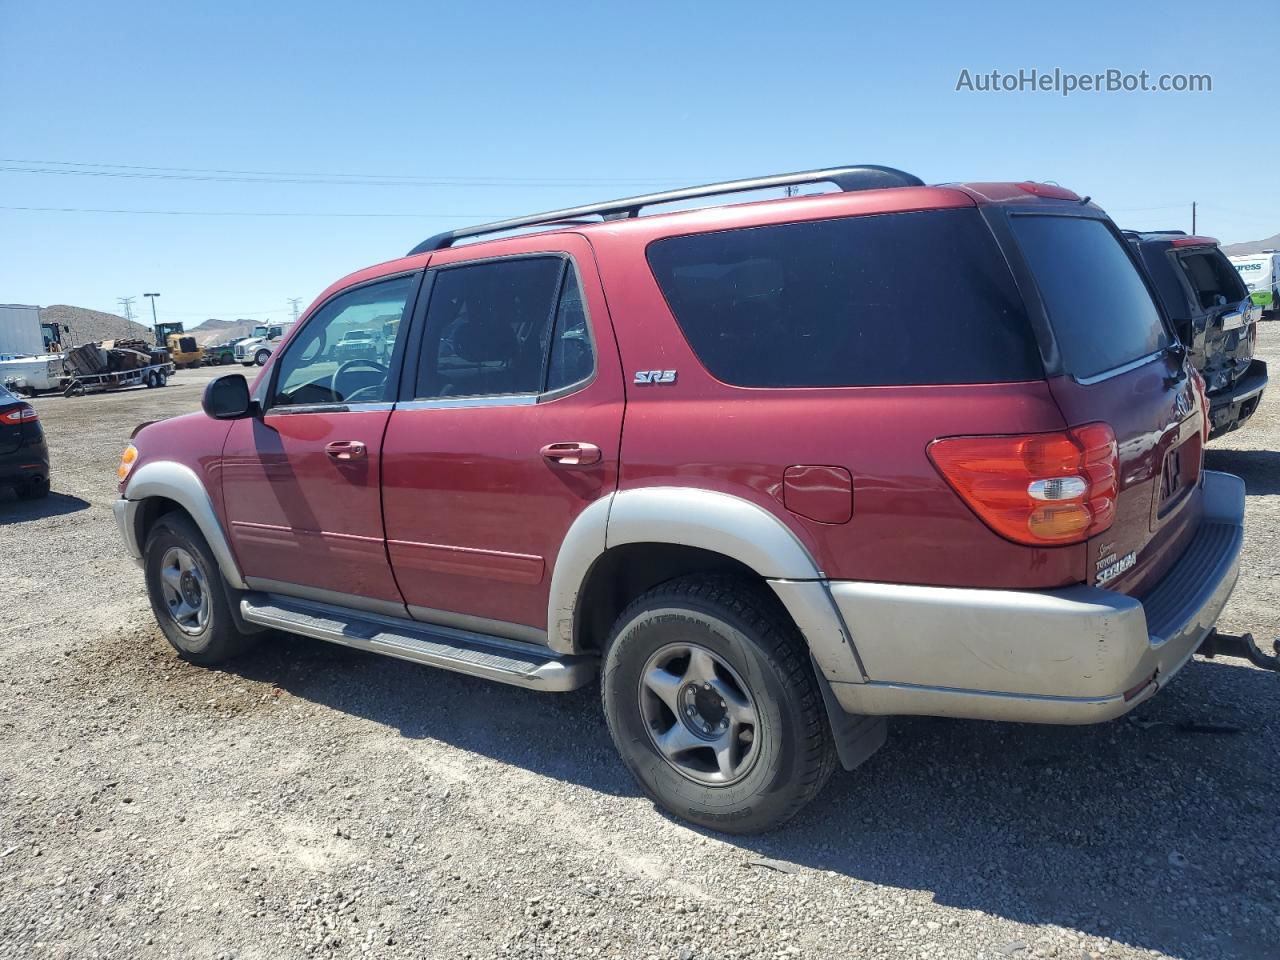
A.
x: 1210, y: 308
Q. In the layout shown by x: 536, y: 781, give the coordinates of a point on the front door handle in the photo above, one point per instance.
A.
x: 346, y: 450
x: 571, y: 454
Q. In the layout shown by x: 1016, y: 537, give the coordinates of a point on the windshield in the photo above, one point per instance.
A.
x: 1100, y: 309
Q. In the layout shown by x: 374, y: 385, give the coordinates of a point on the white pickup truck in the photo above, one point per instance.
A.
x: 257, y: 348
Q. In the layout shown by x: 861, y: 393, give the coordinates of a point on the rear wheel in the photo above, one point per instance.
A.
x: 711, y: 699
x: 33, y: 489
x: 151, y: 380
x: 162, y: 378
x: 187, y: 593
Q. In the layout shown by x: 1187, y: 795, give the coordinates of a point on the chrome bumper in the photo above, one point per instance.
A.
x: 1076, y: 655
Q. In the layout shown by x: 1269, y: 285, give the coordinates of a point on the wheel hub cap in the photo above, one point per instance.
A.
x: 700, y: 714
x: 185, y: 593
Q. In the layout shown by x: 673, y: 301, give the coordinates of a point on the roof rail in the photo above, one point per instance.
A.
x: 867, y: 177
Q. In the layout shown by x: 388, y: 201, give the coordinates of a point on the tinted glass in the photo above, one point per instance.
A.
x: 895, y: 299
x: 572, y: 359
x: 488, y: 327
x: 1100, y: 309
x: 320, y: 365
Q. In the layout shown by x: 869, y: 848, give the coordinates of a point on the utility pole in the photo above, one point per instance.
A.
x: 154, y: 322
x: 1193, y: 217
x: 293, y: 302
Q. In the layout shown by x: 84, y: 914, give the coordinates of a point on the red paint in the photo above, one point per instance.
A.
x: 823, y: 494
x: 472, y: 507
x: 298, y: 515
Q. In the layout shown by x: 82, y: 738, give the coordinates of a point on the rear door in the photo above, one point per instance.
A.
x: 1116, y: 365
x: 508, y: 428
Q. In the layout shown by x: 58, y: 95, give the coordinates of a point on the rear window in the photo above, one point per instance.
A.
x: 1101, y: 310
x: 1213, y: 279
x: 886, y: 300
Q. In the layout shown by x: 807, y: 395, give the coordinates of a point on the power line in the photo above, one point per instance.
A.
x: 280, y: 176
x: 256, y: 213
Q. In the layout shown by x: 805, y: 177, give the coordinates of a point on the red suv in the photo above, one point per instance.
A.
x: 773, y: 470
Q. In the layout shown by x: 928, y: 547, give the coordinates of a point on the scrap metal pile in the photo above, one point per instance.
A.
x: 110, y: 356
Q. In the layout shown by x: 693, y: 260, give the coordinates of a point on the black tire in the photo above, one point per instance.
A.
x: 33, y: 489
x: 162, y: 378
x: 218, y: 638
x: 746, y: 629
x: 150, y: 380
x: 261, y: 356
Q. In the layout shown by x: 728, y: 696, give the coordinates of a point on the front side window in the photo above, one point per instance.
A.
x: 341, y: 355
x: 1100, y: 309
x: 504, y: 327
x: 888, y: 300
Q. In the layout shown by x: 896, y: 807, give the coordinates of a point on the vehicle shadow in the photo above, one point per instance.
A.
x: 13, y: 510
x: 1260, y: 469
x: 1136, y: 830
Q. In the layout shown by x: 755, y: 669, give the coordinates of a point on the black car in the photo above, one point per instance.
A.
x: 1213, y: 315
x: 24, y: 458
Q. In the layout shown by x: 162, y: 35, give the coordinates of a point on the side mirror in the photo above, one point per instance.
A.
x: 227, y: 398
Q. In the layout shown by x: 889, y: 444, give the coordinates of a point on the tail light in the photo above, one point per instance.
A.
x: 1040, y: 488
x: 19, y: 416
x: 1202, y: 391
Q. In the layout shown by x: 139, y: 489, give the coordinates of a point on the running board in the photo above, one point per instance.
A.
x: 477, y: 654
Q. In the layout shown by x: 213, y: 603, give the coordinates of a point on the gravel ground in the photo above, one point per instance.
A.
x: 316, y: 801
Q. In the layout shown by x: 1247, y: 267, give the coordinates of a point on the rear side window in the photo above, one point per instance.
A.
x: 513, y: 326
x: 1101, y: 310
x: 894, y: 299
x: 1213, y: 279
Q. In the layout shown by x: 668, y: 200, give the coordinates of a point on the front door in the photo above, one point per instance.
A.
x: 511, y: 428
x: 302, y: 481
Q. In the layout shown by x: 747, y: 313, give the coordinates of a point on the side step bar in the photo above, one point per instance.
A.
x: 494, y: 658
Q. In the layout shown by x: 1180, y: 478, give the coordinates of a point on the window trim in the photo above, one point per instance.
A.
x: 408, y: 400
x: 1033, y: 298
x: 393, y: 369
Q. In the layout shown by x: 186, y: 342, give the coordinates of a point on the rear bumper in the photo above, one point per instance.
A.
x: 1230, y: 408
x: 1075, y: 655
x: 28, y: 462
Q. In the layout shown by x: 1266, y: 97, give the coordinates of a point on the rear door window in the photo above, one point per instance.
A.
x: 1213, y: 280
x: 893, y: 299
x: 1100, y: 308
x: 504, y: 327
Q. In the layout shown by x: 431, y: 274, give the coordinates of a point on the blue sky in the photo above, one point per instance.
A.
x: 540, y: 105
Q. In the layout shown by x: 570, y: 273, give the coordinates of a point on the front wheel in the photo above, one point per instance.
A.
x: 187, y: 594
x: 261, y: 357
x: 711, y: 699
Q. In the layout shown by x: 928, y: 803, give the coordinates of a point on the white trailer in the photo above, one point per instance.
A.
x: 30, y: 375
x: 20, y: 332
x: 1261, y: 274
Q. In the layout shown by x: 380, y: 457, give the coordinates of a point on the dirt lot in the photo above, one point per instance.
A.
x: 315, y: 801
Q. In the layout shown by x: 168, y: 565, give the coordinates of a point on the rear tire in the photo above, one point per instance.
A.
x: 33, y: 489
x: 162, y: 378
x: 711, y: 700
x: 188, y: 595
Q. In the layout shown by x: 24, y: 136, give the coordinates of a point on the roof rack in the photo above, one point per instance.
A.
x: 867, y: 177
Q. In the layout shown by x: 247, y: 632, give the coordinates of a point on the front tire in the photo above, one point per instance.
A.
x: 261, y: 357
x: 711, y: 700
x: 187, y: 593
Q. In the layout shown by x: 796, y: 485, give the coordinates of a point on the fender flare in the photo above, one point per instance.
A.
x: 179, y: 483
x: 719, y: 523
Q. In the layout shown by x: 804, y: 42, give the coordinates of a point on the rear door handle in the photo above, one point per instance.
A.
x: 345, y: 450
x: 571, y: 454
